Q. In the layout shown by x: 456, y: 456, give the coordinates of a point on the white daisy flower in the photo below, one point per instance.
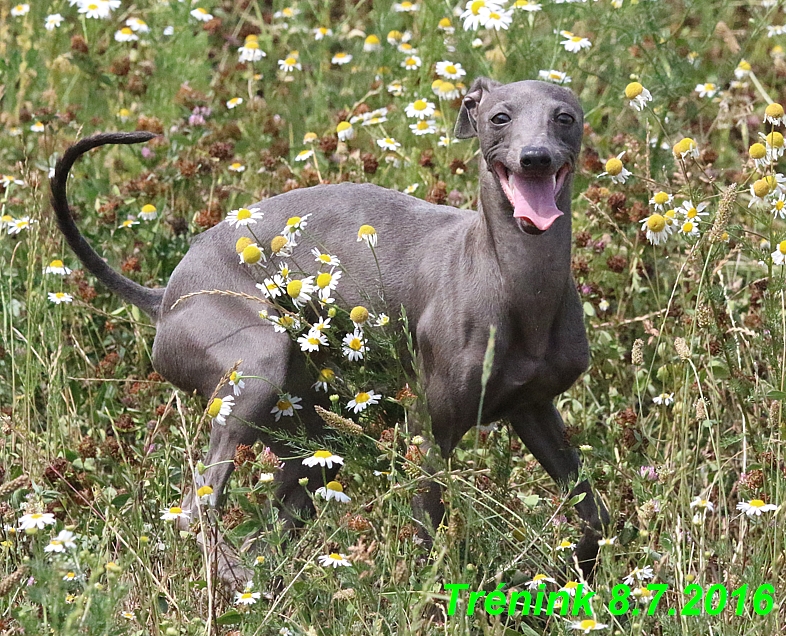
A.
x: 247, y: 597
x: 424, y: 127
x: 587, y: 625
x: 420, y: 108
x: 234, y: 102
x: 557, y: 77
x: 200, y: 14
x: 272, y: 287
x: 411, y: 63
x: 664, y: 398
x: 57, y: 267
x: 363, y: 400
x: 702, y: 504
x: 496, y: 18
x: 341, y: 58
x: 325, y: 259
x: 706, y: 90
x: 657, y: 228
x: 450, y: 70
x: 220, y: 408
x: 38, y: 520
x: 354, y: 345
x: 236, y: 382
x: 661, y: 200
x: 174, y: 513
x: 60, y: 297
x: 312, y: 341
x: 295, y: 224
x: 639, y: 574
x: 539, y: 579
x: 323, y: 458
x: 335, y: 559
x: 304, y: 155
x: 53, y: 21
x: 333, y: 490
x: 779, y: 255
x: 286, y: 406
x: 287, y: 322
x: 574, y: 43
x: 388, y: 143
x: 243, y: 216
x: 62, y: 542
x: 755, y: 507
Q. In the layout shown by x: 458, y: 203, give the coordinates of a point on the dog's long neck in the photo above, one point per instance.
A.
x: 534, y: 268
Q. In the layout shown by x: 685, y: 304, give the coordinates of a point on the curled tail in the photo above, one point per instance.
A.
x: 146, y: 298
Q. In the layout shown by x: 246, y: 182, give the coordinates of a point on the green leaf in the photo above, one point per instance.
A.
x: 531, y: 500
x: 577, y: 499
x: 231, y: 617
x: 120, y: 500
x: 776, y: 395
x: 589, y: 310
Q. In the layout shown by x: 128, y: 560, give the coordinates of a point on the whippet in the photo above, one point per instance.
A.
x: 456, y: 272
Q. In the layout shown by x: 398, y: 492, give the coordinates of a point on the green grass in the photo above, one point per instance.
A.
x: 106, y: 444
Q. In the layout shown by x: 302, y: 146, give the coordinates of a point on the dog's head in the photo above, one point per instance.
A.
x: 530, y: 136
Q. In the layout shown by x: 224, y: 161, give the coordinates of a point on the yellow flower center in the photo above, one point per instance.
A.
x: 782, y: 247
x: 745, y: 66
x: 451, y: 69
x: 539, y: 577
x: 362, y: 398
x: 252, y: 44
x: 126, y: 31
x: 476, y: 6
x: 691, y: 214
x: 323, y: 454
x: 656, y: 223
x: 444, y: 23
x: 342, y: 126
x: 761, y: 188
x: 246, y: 596
x: 292, y: 221
x: 587, y: 623
x: 686, y: 144
x: 334, y: 485
x: 215, y: 407
x: 278, y: 243
x: 251, y: 254
x: 294, y: 288
x: 204, y: 491
x: 290, y: 61
x: 148, y: 208
x: 773, y: 110
x: 327, y: 375
x: 446, y: 87
x: 36, y: 516
x: 283, y: 405
x: 633, y: 90
x: 242, y: 213
x: 660, y: 198
x: 242, y: 243
x: 175, y: 510
x: 358, y: 314
x: 687, y: 227
x: 757, y: 151
x: 756, y: 503
x: 286, y: 321
x: 335, y: 555
x: 56, y: 263
x: 571, y: 585
x: 355, y: 344
x: 775, y: 139
x: 614, y: 167
x: 372, y: 40
x: 419, y: 104
x: 324, y: 279
x: 366, y: 231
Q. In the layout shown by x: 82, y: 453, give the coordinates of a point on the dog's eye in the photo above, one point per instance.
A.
x: 500, y: 118
x: 565, y: 118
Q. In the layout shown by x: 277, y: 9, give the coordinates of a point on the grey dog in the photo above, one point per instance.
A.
x: 455, y: 272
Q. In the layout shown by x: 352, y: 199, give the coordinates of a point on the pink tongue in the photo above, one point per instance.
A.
x: 533, y: 199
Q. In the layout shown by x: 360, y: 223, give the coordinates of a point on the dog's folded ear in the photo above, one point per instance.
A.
x: 467, y: 123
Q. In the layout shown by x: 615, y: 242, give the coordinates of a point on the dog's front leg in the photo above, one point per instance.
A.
x: 541, y: 429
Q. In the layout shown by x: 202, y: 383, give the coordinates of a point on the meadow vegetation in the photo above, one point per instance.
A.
x: 679, y: 216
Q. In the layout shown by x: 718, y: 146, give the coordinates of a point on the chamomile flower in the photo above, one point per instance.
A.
x: 320, y: 33
x: 202, y: 15
x: 372, y: 43
x: 57, y: 267
x: 174, y: 513
x: 345, y: 131
x: 665, y: 399
x: 574, y: 43
x: 289, y: 64
x: 341, y: 58
x: 690, y: 228
x: 287, y: 13
x: 424, y: 127
x: 335, y: 559
x: 774, y: 114
x: 693, y: 212
x: 295, y: 225
x: 37, y: 127
x: 247, y: 597
x: 445, y: 90
x: 396, y: 89
x: 237, y: 167
x: 388, y: 143
x: 554, y: 76
x: 707, y: 89
x: 778, y: 208
x: 126, y: 35
x: 220, y: 409
x: 743, y: 70
x: 70, y: 576
x: 304, y: 155
x: 354, y: 345
x: 779, y: 255
x: 62, y: 542
x: 286, y: 406
x: 639, y: 574
x: 445, y: 26
x: 420, y: 108
x: 60, y: 297
x: 607, y: 542
x: 410, y: 189
x: 411, y: 63
x: 473, y: 16
x: 496, y: 18
x: 20, y: 9
x: 326, y: 376
x: 137, y: 25
x: 236, y: 382
x: 760, y: 190
x: 702, y: 504
x: 312, y: 341
x: 128, y: 223
x: 300, y: 290
x: 527, y: 5
x: 616, y: 170
x: 53, y: 21
x: 37, y: 520
x: 638, y: 96
x: 284, y: 271
x: 661, y: 200
x: 381, y: 320
x: 333, y: 490
x: 325, y: 259
x: 234, y: 102
x: 758, y: 152
x: 326, y: 282
x: 537, y: 580
x: 450, y: 70
x: 774, y: 144
x: 686, y: 147
x: 272, y: 287
x: 657, y: 228
x: 148, y: 212
x: 565, y: 545
x: 755, y: 507
x: 250, y: 51
x: 251, y: 254
x: 405, y: 7
x: 363, y: 400
x: 587, y: 625
x: 368, y: 234
x: 323, y: 458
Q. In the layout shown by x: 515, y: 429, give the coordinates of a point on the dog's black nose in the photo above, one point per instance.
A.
x: 535, y: 158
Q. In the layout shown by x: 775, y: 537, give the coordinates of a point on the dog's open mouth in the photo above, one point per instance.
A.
x: 534, y: 199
